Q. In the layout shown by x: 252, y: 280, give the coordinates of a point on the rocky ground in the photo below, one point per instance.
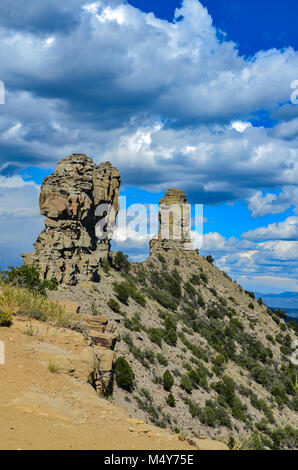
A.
x: 46, y: 404
x: 225, y: 308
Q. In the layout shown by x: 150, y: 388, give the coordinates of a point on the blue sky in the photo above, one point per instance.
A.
x: 193, y: 94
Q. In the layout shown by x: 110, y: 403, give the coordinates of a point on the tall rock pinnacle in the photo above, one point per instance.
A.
x: 68, y: 248
x: 174, y: 223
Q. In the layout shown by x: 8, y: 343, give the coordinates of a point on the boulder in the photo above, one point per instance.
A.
x: 80, y: 202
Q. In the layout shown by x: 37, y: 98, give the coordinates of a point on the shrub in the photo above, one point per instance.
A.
x: 250, y: 294
x: 212, y: 414
x: 201, y: 301
x: 161, y: 258
x: 156, y: 335
x: 165, y: 299
x: 5, y: 319
x: 171, y: 400
x: 204, y: 278
x: 188, y: 287
x: 213, y: 291
x: 219, y: 360
x: 210, y: 259
x: 170, y: 337
x: 168, y: 381
x: 285, y: 350
x: 125, y: 377
x: 162, y: 360
x: 134, y: 324
x: 251, y: 305
x: 186, y: 383
x: 195, y: 279
x: 121, y: 262
x: 122, y: 292
x: 105, y: 266
x: 29, y: 278
x: 260, y: 375
x: 53, y: 367
x: 138, y: 297
x: 114, y: 305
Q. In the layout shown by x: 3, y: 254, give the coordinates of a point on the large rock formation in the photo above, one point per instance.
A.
x: 69, y: 248
x: 174, y: 223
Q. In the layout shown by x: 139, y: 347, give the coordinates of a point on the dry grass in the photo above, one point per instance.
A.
x: 53, y: 367
x: 19, y: 301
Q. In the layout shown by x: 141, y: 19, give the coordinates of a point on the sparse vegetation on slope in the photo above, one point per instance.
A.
x: 207, y: 358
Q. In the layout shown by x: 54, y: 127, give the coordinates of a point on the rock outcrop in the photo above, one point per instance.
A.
x: 76, y: 237
x: 174, y: 223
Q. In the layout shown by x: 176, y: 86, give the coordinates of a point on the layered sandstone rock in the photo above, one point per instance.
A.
x: 69, y: 248
x: 174, y: 223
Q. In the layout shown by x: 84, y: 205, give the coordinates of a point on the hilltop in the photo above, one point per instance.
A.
x: 178, y: 343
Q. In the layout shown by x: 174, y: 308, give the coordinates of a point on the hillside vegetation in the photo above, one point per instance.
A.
x: 198, y: 353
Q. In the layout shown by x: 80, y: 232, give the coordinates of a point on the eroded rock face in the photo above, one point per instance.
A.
x: 174, y: 223
x: 68, y: 249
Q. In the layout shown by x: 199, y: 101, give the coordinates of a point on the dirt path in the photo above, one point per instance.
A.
x: 44, y: 410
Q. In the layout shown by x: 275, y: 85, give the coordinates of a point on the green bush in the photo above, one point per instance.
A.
x: 105, y: 266
x: 213, y: 291
x: 186, y: 383
x: 5, y: 319
x: 114, y: 305
x: 188, y: 287
x: 29, y: 278
x: 168, y: 381
x: 122, y: 292
x: 171, y: 400
x: 125, y: 377
x: 210, y: 259
x: 156, y: 335
x: 285, y: 350
x: 260, y: 375
x: 250, y: 294
x: 138, y: 297
x: 201, y: 301
x: 162, y: 360
x: 121, y: 262
x: 212, y: 414
x: 251, y: 306
x: 170, y: 337
x: 195, y: 279
x: 161, y: 258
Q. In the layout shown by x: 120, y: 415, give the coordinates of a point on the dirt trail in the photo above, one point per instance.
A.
x: 40, y: 409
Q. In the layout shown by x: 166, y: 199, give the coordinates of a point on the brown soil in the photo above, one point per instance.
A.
x: 40, y: 409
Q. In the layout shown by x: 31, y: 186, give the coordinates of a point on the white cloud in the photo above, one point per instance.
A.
x: 270, y: 203
x: 269, y: 284
x: 286, y: 230
x: 246, y: 258
x: 169, y: 103
x: 241, y: 126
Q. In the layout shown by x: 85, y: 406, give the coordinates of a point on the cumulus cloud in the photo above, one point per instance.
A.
x: 168, y: 103
x: 287, y: 230
x: 258, y: 266
x: 40, y: 17
x: 270, y: 203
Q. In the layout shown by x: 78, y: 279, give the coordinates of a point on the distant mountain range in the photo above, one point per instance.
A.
x: 286, y: 300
